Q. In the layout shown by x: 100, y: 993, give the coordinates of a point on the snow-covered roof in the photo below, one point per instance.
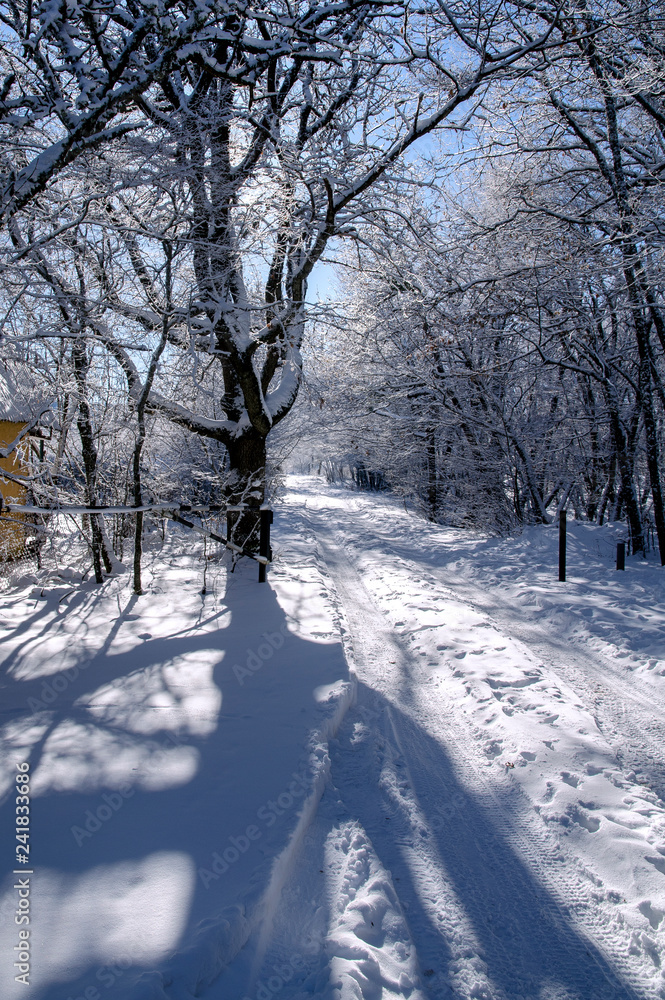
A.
x: 20, y: 400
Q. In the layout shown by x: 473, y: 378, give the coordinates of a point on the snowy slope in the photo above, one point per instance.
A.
x: 500, y: 843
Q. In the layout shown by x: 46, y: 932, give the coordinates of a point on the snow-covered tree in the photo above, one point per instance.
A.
x: 493, y: 369
x: 272, y: 133
x: 72, y: 74
x: 269, y: 174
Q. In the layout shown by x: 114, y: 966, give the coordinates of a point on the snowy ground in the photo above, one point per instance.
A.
x: 447, y: 781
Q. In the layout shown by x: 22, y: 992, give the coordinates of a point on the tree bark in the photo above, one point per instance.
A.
x: 628, y: 495
x: 140, y: 419
x: 247, y: 464
x: 89, y: 454
x: 646, y: 399
x: 432, y: 476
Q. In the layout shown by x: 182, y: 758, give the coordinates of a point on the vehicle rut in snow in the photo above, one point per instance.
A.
x: 494, y: 907
x: 632, y: 721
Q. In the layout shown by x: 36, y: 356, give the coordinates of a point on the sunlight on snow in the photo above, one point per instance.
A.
x: 179, y: 696
x: 329, y: 692
x: 48, y: 655
x: 133, y: 912
x: 16, y: 742
x: 83, y: 757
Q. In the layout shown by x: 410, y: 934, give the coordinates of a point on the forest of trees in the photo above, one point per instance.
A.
x: 485, y: 179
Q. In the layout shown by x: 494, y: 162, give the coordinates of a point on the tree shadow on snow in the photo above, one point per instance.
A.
x: 153, y: 758
x: 527, y: 940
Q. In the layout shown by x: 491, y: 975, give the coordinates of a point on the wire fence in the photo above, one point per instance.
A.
x: 57, y: 542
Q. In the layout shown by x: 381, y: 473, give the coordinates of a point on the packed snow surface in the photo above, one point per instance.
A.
x: 413, y: 765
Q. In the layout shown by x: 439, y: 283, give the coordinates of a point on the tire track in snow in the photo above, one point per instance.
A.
x: 550, y: 909
x: 633, y: 723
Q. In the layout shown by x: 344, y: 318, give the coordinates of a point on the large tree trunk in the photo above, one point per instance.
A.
x: 89, y: 455
x: 607, y: 498
x: 247, y: 485
x: 631, y: 262
x: 432, y: 475
x: 138, y: 527
x: 625, y: 464
x: 141, y: 426
x: 646, y: 399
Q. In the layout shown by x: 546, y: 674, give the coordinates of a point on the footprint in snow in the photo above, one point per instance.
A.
x: 549, y: 793
x: 658, y: 863
x: 579, y: 816
x: 652, y: 913
x: 570, y: 779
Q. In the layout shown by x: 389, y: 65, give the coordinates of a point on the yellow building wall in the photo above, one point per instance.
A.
x: 13, y: 528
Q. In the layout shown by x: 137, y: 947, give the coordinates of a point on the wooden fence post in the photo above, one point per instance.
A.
x: 621, y: 555
x: 264, y: 541
x: 562, y: 545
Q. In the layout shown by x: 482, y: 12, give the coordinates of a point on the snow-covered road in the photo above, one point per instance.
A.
x: 494, y: 825
x: 414, y: 766
x: 627, y: 706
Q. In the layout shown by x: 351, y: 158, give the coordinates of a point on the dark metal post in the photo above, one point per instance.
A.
x: 264, y: 541
x: 621, y: 555
x: 562, y: 545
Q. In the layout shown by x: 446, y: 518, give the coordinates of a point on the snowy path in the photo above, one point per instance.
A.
x: 482, y: 835
x: 474, y: 876
x: 628, y: 707
x: 177, y: 746
x: 219, y: 812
